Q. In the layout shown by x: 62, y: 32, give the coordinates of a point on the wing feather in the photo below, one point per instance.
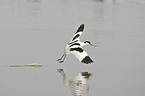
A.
x: 78, y: 33
x: 81, y: 55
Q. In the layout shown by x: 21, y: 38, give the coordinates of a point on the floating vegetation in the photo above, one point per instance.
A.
x: 27, y: 65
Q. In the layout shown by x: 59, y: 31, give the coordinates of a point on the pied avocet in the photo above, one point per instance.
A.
x: 75, y: 47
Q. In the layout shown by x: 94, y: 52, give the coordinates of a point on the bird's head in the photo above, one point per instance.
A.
x: 88, y: 43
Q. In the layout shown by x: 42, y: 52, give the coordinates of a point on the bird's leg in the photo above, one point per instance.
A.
x: 63, y: 59
x: 60, y: 58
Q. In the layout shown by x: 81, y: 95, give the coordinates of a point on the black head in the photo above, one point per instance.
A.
x: 89, y: 43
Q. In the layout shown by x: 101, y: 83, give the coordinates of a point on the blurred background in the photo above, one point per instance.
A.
x: 36, y: 31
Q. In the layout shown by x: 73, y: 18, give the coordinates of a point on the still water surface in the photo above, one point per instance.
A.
x: 38, y: 30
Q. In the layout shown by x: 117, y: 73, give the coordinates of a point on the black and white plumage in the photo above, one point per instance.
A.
x: 75, y: 47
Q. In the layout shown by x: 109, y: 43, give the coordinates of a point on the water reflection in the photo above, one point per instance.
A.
x: 100, y: 0
x: 111, y: 1
x: 78, y: 85
x: 33, y: 0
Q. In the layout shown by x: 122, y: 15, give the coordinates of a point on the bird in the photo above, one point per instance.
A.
x: 75, y: 47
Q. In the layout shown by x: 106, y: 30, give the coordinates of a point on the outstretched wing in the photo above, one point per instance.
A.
x: 81, y: 55
x: 78, y: 33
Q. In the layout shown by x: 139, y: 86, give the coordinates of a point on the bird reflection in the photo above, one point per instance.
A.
x: 78, y: 85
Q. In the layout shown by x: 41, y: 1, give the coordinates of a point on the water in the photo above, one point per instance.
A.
x: 38, y: 30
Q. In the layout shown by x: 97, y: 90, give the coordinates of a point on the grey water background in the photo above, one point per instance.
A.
x: 38, y: 30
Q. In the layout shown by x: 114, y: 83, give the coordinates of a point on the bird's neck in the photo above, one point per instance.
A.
x: 84, y: 44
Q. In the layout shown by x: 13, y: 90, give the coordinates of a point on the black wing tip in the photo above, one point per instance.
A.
x: 82, y: 25
x: 87, y: 60
x: 81, y: 28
